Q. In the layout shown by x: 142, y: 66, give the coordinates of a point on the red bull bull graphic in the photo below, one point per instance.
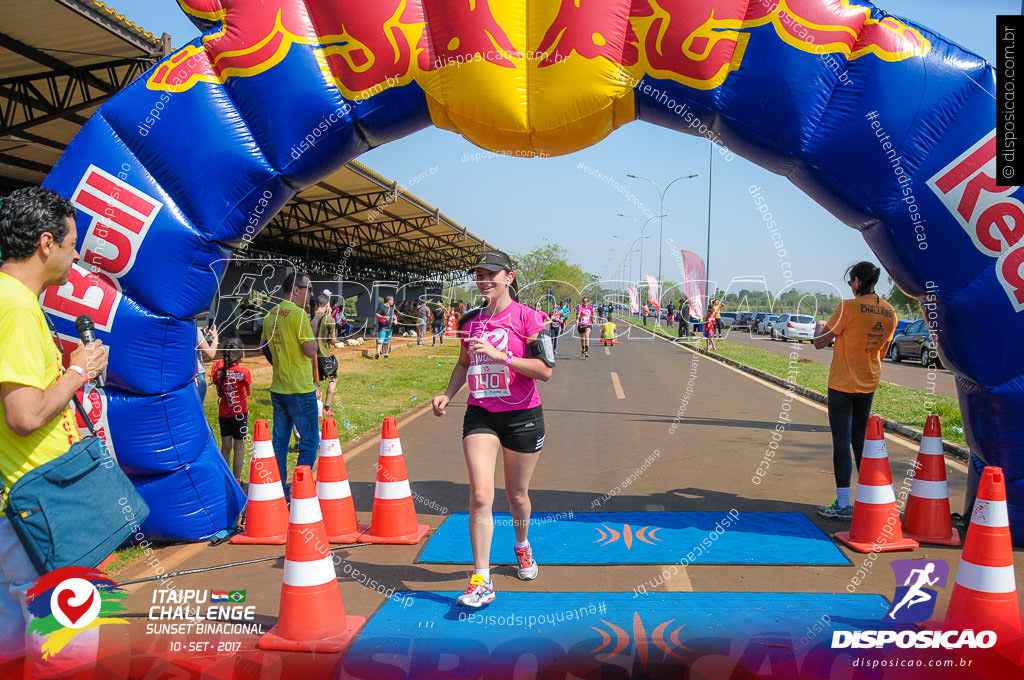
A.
x: 282, y: 92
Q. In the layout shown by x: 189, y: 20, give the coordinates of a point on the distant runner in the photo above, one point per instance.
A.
x: 584, y: 322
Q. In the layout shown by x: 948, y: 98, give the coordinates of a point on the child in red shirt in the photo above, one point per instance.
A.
x: 234, y: 384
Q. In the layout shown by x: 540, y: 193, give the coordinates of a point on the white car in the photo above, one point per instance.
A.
x: 794, y: 327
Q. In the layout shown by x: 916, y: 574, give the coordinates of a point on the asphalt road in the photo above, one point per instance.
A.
x: 908, y: 374
x: 600, y: 429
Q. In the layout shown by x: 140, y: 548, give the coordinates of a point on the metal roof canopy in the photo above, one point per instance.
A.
x: 59, y: 60
x: 357, y: 224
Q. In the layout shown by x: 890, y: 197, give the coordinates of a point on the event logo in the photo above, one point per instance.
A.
x: 627, y: 535
x: 69, y: 600
x: 914, y: 601
x: 661, y: 638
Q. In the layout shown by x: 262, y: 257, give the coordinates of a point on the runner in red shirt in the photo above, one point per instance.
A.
x: 234, y: 385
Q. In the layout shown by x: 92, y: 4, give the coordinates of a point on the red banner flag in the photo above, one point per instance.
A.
x: 693, y: 280
x: 653, y: 295
x: 634, y: 300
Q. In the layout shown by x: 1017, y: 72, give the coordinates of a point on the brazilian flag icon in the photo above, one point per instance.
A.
x: 237, y: 596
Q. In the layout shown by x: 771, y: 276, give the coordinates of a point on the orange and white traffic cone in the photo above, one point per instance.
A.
x: 927, y: 518
x: 450, y: 332
x: 266, y: 513
x: 985, y: 593
x: 333, y: 490
x: 876, y: 519
x: 312, y: 615
x: 394, y: 513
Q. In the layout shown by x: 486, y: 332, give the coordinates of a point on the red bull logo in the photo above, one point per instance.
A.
x: 695, y: 43
x: 483, y: 46
x: 989, y: 213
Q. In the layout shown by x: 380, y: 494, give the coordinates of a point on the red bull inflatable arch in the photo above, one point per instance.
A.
x: 886, y: 124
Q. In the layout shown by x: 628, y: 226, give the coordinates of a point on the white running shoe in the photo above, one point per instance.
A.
x: 477, y: 594
x: 527, y: 565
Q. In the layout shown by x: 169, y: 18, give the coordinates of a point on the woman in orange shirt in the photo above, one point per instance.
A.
x: 862, y: 328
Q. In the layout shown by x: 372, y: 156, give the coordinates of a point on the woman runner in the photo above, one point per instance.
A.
x: 503, y: 412
x: 584, y: 320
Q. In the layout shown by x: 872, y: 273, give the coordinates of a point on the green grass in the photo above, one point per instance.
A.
x: 368, y: 391
x: 903, y: 404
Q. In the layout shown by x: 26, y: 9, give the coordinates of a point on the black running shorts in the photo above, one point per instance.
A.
x: 521, y: 430
x: 328, y: 367
x: 234, y: 426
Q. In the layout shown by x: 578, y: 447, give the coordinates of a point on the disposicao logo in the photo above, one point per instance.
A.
x: 69, y: 600
x: 914, y: 602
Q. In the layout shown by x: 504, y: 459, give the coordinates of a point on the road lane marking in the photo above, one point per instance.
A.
x: 607, y: 352
x: 619, y: 394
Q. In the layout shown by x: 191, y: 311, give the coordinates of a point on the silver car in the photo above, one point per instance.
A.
x: 794, y: 327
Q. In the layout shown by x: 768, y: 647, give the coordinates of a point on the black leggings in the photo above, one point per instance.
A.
x: 848, y: 415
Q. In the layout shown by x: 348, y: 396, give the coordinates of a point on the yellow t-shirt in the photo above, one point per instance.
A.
x: 287, y: 327
x: 863, y: 328
x: 608, y: 330
x: 29, y: 356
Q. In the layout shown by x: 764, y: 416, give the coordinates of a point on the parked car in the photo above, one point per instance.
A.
x: 742, y: 320
x: 756, y: 321
x: 915, y: 341
x: 765, y: 327
x: 729, y: 319
x: 794, y: 327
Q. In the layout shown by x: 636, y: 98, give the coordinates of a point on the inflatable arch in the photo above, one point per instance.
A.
x: 883, y: 122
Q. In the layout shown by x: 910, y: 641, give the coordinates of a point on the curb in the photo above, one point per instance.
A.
x: 960, y: 453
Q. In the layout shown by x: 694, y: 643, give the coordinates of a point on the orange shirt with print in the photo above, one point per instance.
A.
x: 863, y: 328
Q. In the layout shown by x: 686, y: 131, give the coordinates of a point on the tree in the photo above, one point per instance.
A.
x: 547, y: 268
x: 902, y: 302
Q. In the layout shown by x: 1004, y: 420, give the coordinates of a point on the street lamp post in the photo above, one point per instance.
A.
x: 661, y: 209
x: 642, y: 228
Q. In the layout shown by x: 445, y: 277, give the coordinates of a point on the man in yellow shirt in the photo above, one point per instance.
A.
x: 37, y: 244
x: 291, y: 348
x: 862, y: 328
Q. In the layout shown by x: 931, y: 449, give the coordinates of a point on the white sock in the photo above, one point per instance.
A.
x: 486, y: 573
x: 524, y: 544
x: 843, y: 496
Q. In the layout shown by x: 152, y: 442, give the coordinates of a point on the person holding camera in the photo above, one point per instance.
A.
x: 37, y: 425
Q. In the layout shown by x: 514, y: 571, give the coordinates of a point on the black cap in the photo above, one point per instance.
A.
x: 492, y: 260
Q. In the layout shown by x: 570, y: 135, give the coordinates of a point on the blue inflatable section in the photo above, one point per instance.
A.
x: 169, y: 178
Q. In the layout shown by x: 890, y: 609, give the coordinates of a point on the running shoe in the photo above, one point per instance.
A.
x: 377, y: 357
x: 833, y: 511
x: 477, y: 594
x: 527, y: 565
x: 386, y: 356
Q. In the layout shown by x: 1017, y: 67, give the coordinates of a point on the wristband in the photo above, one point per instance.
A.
x: 79, y: 370
x: 508, y: 361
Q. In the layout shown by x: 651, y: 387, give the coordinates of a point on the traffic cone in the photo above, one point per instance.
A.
x: 312, y: 615
x: 876, y: 520
x: 450, y: 332
x: 333, y: 490
x: 985, y: 593
x: 927, y: 518
x: 266, y: 513
x: 394, y: 513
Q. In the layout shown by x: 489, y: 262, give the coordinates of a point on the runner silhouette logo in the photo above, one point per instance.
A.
x: 914, y: 601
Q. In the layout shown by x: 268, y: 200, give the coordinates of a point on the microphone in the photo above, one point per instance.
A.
x: 87, y: 332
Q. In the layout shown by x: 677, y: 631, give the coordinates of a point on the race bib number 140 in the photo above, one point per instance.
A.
x: 488, y: 380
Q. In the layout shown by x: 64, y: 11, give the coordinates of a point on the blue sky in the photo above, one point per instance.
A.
x: 516, y: 203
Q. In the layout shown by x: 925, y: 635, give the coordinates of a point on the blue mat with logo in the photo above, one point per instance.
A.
x: 425, y: 630
x: 646, y: 538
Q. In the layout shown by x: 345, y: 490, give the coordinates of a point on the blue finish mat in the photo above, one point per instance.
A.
x: 426, y: 631
x: 646, y: 538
